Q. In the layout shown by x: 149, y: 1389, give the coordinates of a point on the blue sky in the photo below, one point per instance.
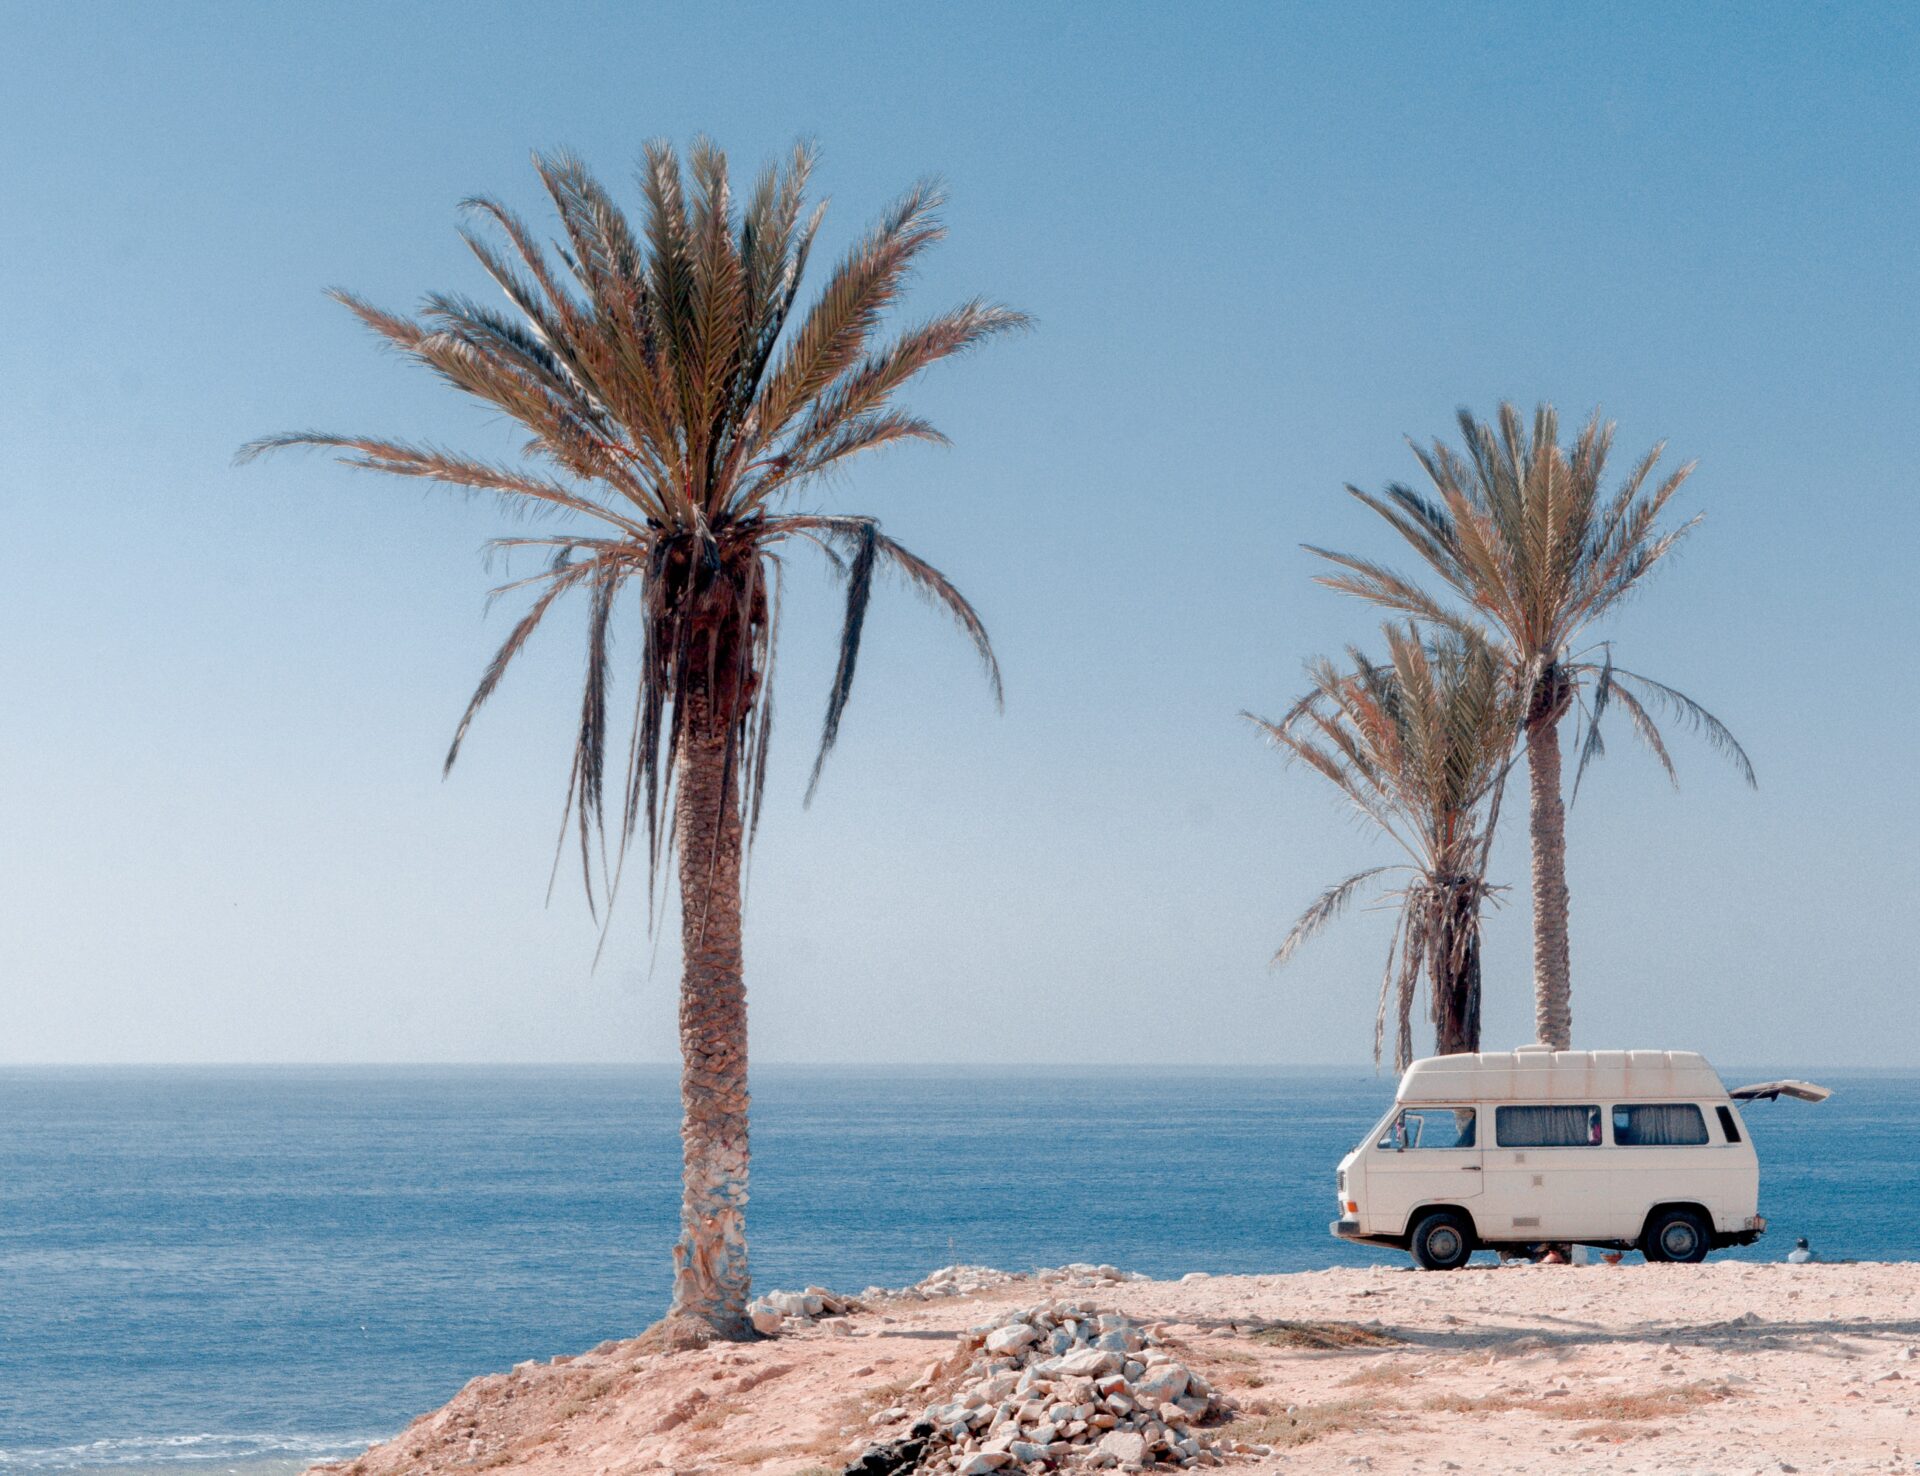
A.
x: 1263, y: 244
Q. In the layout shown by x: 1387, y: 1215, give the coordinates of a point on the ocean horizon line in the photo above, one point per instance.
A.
x: 1080, y: 1067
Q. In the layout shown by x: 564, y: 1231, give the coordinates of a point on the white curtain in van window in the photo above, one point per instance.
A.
x: 1546, y: 1127
x: 1661, y: 1124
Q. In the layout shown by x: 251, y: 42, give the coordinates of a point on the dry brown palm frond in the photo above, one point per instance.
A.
x: 1326, y: 907
x: 1421, y: 745
x: 660, y: 366
x: 1522, y: 535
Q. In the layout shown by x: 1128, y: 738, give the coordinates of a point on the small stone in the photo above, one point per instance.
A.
x: 979, y: 1465
x: 1011, y: 1339
x: 1161, y: 1384
x: 1123, y: 1445
x: 766, y: 1320
x: 1195, y: 1276
x: 1088, y: 1363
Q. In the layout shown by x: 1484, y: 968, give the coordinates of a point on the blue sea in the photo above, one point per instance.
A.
x: 248, y: 1269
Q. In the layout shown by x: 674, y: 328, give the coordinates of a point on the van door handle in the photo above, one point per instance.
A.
x: 1469, y: 1168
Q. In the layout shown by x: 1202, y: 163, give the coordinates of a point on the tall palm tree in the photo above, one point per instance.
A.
x: 677, y: 410
x: 1420, y: 747
x: 1520, y: 529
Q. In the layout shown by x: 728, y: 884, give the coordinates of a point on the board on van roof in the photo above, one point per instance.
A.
x: 1536, y: 1074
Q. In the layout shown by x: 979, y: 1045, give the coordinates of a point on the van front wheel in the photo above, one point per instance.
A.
x: 1677, y: 1235
x: 1442, y: 1241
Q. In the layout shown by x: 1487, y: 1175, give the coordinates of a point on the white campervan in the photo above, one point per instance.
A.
x: 1622, y: 1149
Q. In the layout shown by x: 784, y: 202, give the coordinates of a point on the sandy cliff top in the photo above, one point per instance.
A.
x: 1726, y: 1367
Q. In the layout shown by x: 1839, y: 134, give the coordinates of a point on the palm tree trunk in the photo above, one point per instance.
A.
x: 710, y: 1281
x: 1552, y: 986
x: 1456, y: 980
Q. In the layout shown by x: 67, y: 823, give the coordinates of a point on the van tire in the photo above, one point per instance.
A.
x: 1680, y: 1235
x: 1441, y: 1241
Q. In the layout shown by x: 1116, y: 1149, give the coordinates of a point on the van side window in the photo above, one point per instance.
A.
x: 1728, y: 1125
x: 1659, y: 1125
x: 1547, y: 1127
x: 1429, y: 1127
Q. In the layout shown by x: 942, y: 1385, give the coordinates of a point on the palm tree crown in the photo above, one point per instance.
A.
x: 1419, y: 745
x: 676, y: 414
x: 1523, y: 532
x: 678, y: 407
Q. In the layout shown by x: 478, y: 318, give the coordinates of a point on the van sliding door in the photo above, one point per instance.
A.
x: 1546, y: 1173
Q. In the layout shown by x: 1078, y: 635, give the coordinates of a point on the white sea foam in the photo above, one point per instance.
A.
x: 246, y: 1454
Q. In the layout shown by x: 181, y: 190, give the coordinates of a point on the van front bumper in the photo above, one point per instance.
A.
x: 1350, y: 1230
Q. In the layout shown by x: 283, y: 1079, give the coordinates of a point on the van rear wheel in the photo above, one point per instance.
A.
x: 1442, y: 1241
x: 1680, y: 1235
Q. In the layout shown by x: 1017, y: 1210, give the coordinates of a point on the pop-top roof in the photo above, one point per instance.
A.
x: 1536, y: 1074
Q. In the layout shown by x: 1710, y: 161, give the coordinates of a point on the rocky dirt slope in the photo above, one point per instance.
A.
x: 1723, y: 1368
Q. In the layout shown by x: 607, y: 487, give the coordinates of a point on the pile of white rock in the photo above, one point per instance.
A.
x: 814, y: 1306
x: 1079, y: 1273
x: 968, y: 1281
x: 1064, y: 1386
x: 948, y: 1281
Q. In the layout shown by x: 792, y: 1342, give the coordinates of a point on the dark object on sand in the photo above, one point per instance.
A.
x: 895, y: 1457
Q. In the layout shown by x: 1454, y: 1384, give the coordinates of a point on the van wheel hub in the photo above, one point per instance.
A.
x: 1679, y: 1240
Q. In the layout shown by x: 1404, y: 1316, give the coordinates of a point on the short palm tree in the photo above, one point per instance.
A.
x: 677, y: 410
x: 1521, y: 530
x: 1420, y: 745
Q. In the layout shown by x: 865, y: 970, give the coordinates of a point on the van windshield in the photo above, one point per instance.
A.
x: 1429, y: 1127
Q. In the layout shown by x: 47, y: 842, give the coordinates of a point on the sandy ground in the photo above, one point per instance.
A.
x: 1720, y: 1368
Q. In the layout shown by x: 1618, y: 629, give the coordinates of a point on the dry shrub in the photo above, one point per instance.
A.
x: 714, y: 1412
x: 1306, y: 1423
x: 1617, y: 1432
x: 1382, y: 1376
x: 1322, y: 1336
x: 1651, y: 1405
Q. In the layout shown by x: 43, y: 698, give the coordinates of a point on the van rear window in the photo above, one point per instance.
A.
x: 1659, y: 1125
x: 1728, y: 1125
x: 1547, y: 1127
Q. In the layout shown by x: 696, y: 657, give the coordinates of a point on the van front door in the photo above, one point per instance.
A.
x: 1547, y: 1173
x: 1427, y: 1155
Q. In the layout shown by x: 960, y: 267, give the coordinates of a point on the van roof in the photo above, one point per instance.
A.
x: 1536, y: 1074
